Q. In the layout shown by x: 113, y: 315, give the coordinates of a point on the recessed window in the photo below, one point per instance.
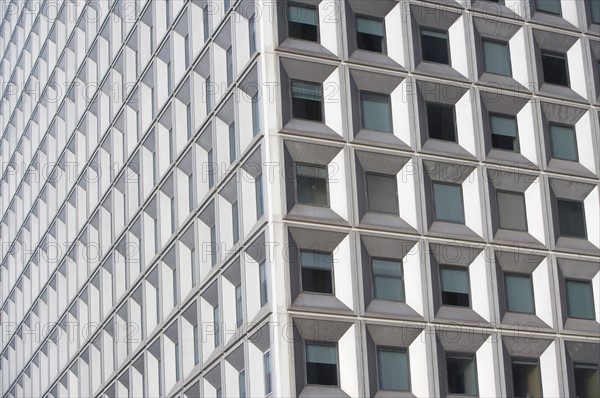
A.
x: 311, y: 184
x: 549, y: 6
x: 434, y: 46
x: 242, y: 384
x: 571, y: 218
x: 519, y: 293
x: 370, y: 34
x: 554, y: 67
x: 382, y: 193
x: 267, y: 372
x: 262, y: 278
x: 441, y: 122
x: 504, y: 132
x: 526, y: 378
x: 235, y: 222
x: 205, y: 23
x: 563, y: 142
x: 580, y: 299
x: 496, y: 57
x: 388, y: 280
x: 307, y: 101
x: 255, y: 115
x: 217, y: 325
x: 448, y: 203
x: 455, y: 286
x: 462, y: 374
x: 317, y: 272
x: 392, y: 369
x: 232, y: 144
x: 511, y: 210
x: 376, y: 112
x: 594, y: 10
x: 229, y: 61
x: 321, y: 364
x: 239, y: 307
x: 252, y: 34
x: 258, y: 194
x: 303, y: 22
x: 587, y: 380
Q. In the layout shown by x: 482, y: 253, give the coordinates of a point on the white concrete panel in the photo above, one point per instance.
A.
x: 577, y: 76
x: 332, y: 101
x: 541, y: 292
x: 480, y: 287
x: 518, y: 49
x: 585, y: 143
x: 592, y: 215
x: 472, y: 203
x: 329, y: 17
x: 337, y: 185
x: 458, y: 46
x: 413, y: 280
x: 549, y: 362
x: 401, y: 113
x: 407, y: 193
x: 419, y: 359
x: 596, y: 292
x: 486, y: 372
x: 395, y: 35
x: 465, y: 124
x: 348, y: 362
x: 534, y: 211
x: 342, y: 271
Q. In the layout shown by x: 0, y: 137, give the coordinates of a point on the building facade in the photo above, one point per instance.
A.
x: 219, y: 198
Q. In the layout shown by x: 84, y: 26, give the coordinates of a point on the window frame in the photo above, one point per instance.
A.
x: 401, y: 279
x: 435, y: 219
x: 582, y: 365
x: 337, y: 364
x: 292, y: 81
x: 496, y: 41
x: 563, y: 125
x: 519, y: 275
x: 555, y: 54
x: 442, y: 105
x: 287, y: 20
x: 435, y: 30
x: 397, y: 203
x: 463, y: 355
x: 515, y: 193
x: 302, y: 266
x: 403, y: 350
x: 296, y: 201
x: 525, y: 361
x: 588, y: 283
x: 560, y: 234
x: 505, y: 116
x: 362, y: 110
x: 455, y: 268
x: 372, y: 18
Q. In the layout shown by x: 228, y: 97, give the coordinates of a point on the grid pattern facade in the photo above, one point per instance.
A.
x: 308, y: 198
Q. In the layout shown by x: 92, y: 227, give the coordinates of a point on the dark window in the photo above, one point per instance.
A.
x: 594, y: 10
x: 267, y: 372
x: 173, y: 216
x: 317, y: 272
x: 196, y: 344
x: 555, y: 69
x: 563, y: 142
x: 496, y: 57
x: 434, y: 46
x: 232, y: 143
x: 526, y: 378
x: 382, y: 193
x: 210, y: 168
x: 262, y: 277
x: 519, y: 293
x: 205, y: 23
x: 321, y: 364
x: 448, y: 203
x: 511, y: 210
x: 242, y: 384
x: 255, y: 115
x: 307, y: 101
x: 549, y: 6
x: 587, y: 380
x: 462, y: 374
x: 376, y: 112
x: 455, y: 286
x: 580, y: 299
x: 208, y: 88
x: 370, y: 34
x: 392, y: 369
x: 252, y: 34
x: 388, y: 279
x: 235, y: 222
x: 229, y: 61
x: 239, y: 306
x: 213, y: 244
x: 217, y: 325
x: 504, y: 132
x: 311, y: 184
x: 303, y: 22
x: 258, y: 191
x: 571, y: 218
x: 441, y: 121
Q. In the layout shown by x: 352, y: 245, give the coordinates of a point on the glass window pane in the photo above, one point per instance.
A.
x: 307, y: 101
x: 311, y: 185
x: 305, y: 15
x: 580, y: 299
x: 504, y: 132
x: 388, y: 281
x: 571, y: 219
x: 587, y: 380
x: 519, y: 293
x: 462, y: 375
x: 448, y: 204
x: 551, y: 6
x: 392, y: 370
x: 555, y: 69
x: 370, y: 34
x: 511, y: 211
x: 455, y: 287
x: 595, y: 11
x: 496, y: 57
x: 382, y: 193
x: 310, y: 259
x: 267, y: 372
x: 526, y: 379
x: 232, y: 145
x: 303, y: 22
x: 376, y: 112
x: 440, y: 122
x: 317, y: 275
x: 434, y: 46
x: 563, y: 142
x: 321, y: 364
